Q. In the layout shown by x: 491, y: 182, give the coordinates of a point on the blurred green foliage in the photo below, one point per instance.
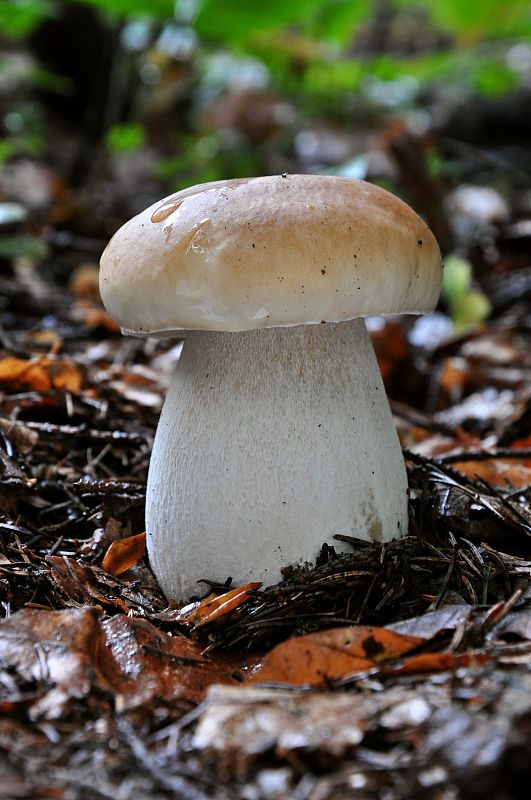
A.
x: 476, y: 20
x: 126, y: 137
x: 22, y: 247
x: 468, y: 306
x: 307, y: 44
x: 205, y: 89
x: 323, y: 54
x: 313, y: 51
x: 19, y: 17
x: 326, y: 56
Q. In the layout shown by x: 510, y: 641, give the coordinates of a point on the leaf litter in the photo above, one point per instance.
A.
x: 396, y: 670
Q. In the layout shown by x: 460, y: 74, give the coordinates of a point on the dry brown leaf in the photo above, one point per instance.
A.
x: 215, y: 606
x: 19, y: 787
x: 332, y: 654
x: 436, y: 662
x: 79, y: 583
x: 453, y: 377
x: 524, y: 442
x: 501, y: 472
x: 39, y: 374
x: 123, y: 554
x: 84, y: 281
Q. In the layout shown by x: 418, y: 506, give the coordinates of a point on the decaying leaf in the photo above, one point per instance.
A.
x: 79, y: 582
x: 55, y: 652
x: 439, y: 730
x: 320, y: 657
x: 122, y: 554
x: 241, y: 724
x: 430, y: 624
x: 142, y: 663
x: 71, y: 654
x: 82, y: 583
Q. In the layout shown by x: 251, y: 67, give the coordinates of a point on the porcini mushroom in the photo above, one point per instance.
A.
x: 276, y: 433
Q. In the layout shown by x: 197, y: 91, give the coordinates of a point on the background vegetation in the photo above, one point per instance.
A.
x: 203, y: 89
x: 105, y: 105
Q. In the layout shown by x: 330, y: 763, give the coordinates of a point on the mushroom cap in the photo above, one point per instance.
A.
x: 264, y: 252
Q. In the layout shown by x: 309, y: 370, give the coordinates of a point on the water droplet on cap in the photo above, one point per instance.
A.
x: 165, y: 210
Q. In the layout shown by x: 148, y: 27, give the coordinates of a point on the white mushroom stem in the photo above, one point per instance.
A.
x: 269, y: 443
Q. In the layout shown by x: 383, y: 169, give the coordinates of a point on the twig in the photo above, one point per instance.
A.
x: 484, y: 455
x: 447, y: 579
x: 80, y: 431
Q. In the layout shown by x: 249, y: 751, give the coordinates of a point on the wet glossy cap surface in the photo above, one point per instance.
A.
x: 272, y: 251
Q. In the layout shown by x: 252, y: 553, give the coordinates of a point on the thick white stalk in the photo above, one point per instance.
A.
x: 269, y: 443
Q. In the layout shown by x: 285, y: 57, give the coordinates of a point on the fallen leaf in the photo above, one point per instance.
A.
x: 516, y: 624
x: 122, y: 554
x: 70, y: 655
x: 436, y: 662
x: 17, y: 786
x: 141, y: 663
x: 318, y: 657
x: 79, y: 583
x: 481, y: 411
x: 94, y: 317
x: 240, y: 725
x: 84, y: 281
x: 52, y: 649
x: 135, y: 591
x: 501, y: 472
x: 430, y: 624
x: 215, y: 606
x: 453, y: 377
x: 147, y: 396
x: 40, y: 374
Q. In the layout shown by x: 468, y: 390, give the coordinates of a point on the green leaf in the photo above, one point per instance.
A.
x: 158, y: 9
x: 237, y: 20
x: 335, y: 76
x: 126, y: 137
x: 457, y: 277
x: 473, y: 20
x: 22, y: 247
x: 470, y: 309
x: 18, y: 18
x: 7, y: 149
x: 467, y: 306
x: 493, y: 79
x: 336, y: 20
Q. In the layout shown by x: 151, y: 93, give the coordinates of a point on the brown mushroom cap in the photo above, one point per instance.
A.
x: 273, y: 251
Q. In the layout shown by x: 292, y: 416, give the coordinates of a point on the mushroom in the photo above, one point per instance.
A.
x: 276, y: 433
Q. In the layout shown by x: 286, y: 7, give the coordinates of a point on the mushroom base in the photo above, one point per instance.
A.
x: 270, y: 442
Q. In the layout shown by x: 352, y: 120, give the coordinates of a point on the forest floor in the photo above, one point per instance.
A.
x: 394, y: 671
